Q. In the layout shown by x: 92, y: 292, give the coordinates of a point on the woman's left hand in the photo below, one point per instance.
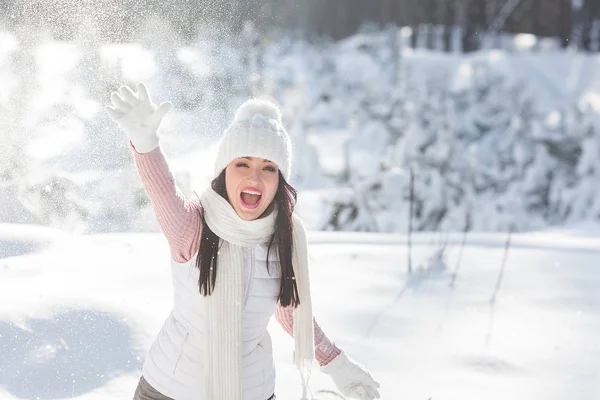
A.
x: 351, y: 378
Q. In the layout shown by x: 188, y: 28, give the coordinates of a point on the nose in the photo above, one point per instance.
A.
x: 254, y: 175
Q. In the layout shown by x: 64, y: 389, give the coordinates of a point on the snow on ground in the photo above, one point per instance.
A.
x: 78, y: 312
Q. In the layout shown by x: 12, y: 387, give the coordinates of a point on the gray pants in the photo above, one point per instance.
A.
x: 146, y: 392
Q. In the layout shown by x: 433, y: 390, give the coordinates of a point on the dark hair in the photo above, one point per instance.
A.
x: 285, y: 200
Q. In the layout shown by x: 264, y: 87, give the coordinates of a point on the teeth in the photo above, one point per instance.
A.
x: 251, y: 192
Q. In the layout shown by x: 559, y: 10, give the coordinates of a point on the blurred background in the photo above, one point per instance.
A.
x: 467, y: 115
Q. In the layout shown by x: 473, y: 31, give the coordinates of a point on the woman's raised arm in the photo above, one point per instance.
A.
x: 139, y: 118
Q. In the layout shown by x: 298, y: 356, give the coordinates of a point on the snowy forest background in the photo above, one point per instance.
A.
x: 482, y: 116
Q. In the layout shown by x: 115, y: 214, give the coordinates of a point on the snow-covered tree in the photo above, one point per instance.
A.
x: 18, y: 69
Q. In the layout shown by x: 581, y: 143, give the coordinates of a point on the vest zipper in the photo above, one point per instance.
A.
x: 180, y: 352
x: 250, y: 276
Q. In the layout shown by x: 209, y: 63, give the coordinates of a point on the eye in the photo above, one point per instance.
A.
x: 270, y: 168
x: 241, y: 164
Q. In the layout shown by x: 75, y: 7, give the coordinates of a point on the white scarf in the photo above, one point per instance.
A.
x: 223, y: 313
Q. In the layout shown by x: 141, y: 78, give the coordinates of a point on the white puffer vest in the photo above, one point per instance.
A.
x: 174, y: 364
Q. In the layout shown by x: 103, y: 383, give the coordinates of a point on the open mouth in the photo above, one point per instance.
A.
x: 250, y: 198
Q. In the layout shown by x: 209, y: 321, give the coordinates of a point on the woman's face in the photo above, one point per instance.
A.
x: 251, y: 185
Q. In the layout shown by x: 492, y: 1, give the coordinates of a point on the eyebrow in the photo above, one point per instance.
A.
x: 250, y: 159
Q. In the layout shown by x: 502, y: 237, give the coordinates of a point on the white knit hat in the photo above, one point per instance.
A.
x: 256, y: 131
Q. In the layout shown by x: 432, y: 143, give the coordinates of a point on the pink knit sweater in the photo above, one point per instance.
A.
x: 181, y: 224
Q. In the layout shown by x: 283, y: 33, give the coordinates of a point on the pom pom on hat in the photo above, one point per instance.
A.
x: 252, y: 107
x: 256, y: 131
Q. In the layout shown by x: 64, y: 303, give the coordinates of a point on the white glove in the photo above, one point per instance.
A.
x: 351, y: 378
x: 137, y: 116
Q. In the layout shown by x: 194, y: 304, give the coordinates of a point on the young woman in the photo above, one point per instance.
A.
x: 239, y: 255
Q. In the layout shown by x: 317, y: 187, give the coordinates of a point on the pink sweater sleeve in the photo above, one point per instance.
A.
x: 325, y: 349
x: 177, y: 216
